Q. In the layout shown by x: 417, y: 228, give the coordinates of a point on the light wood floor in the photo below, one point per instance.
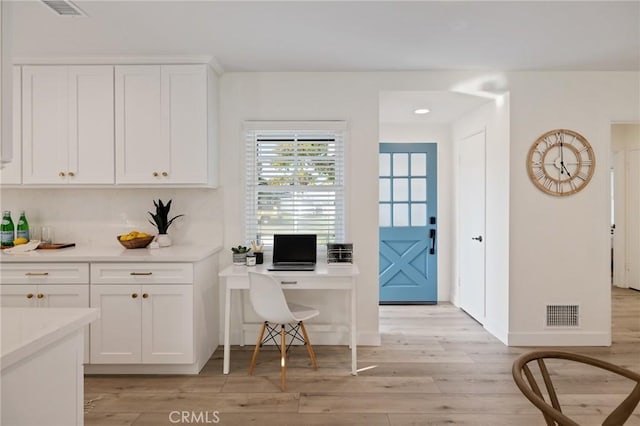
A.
x: 436, y: 366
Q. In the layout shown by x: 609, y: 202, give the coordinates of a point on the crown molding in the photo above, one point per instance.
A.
x: 120, y: 60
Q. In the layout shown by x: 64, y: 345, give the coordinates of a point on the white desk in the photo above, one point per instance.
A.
x: 323, y: 278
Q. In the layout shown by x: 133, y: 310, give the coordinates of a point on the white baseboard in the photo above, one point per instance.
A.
x: 559, y: 338
x: 141, y: 369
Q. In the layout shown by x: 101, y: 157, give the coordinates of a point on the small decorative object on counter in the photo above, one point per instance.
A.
x: 23, y: 227
x: 256, y: 247
x: 162, y: 222
x: 338, y: 254
x: 251, y: 260
x: 7, y: 230
x: 239, y: 255
x: 135, y: 239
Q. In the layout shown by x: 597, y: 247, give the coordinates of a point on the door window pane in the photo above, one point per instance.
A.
x: 385, y: 164
x: 419, y: 189
x: 385, y: 190
x: 385, y: 214
x: 401, y: 164
x: 401, y: 214
x: 401, y: 189
x: 419, y: 214
x: 418, y: 164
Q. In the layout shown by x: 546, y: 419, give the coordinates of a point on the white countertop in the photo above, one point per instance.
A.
x: 177, y: 253
x: 26, y: 331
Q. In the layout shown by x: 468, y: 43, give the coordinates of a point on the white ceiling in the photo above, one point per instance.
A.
x: 345, y: 36
x: 348, y: 36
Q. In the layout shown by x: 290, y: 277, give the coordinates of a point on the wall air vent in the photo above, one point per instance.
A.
x: 563, y: 315
x: 64, y: 8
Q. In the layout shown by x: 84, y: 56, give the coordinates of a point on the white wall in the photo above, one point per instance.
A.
x: 493, y: 118
x: 440, y: 134
x: 558, y: 246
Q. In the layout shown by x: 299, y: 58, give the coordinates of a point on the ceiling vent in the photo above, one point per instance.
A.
x: 64, y: 8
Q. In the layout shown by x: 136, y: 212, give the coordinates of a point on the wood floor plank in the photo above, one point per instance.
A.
x: 270, y: 419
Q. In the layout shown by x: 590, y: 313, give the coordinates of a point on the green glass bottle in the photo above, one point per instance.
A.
x: 6, y: 230
x: 23, y: 227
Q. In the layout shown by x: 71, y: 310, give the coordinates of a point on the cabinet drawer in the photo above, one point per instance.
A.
x: 45, y: 273
x: 141, y: 273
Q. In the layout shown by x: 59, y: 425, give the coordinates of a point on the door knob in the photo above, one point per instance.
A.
x: 478, y: 238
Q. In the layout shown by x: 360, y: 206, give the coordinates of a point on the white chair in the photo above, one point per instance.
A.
x: 267, y: 299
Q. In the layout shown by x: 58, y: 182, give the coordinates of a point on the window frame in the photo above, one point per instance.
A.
x: 251, y: 132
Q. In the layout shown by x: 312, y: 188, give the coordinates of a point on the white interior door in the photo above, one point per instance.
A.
x: 633, y: 219
x: 471, y: 221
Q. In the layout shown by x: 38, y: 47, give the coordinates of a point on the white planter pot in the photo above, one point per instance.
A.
x: 163, y: 240
x: 239, y: 258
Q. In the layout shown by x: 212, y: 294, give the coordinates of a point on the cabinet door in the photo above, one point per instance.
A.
x: 91, y: 132
x: 184, y: 119
x: 12, y: 173
x: 115, y: 336
x: 45, y: 120
x: 63, y: 296
x: 167, y: 324
x: 66, y: 296
x: 142, y: 151
x: 18, y: 296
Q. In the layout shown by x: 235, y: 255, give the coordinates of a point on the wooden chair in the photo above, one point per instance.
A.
x: 267, y: 299
x: 553, y: 413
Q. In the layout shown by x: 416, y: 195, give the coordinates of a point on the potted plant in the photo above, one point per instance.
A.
x: 162, y: 222
x: 239, y: 255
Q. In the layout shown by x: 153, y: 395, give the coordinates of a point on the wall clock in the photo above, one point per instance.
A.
x: 561, y: 162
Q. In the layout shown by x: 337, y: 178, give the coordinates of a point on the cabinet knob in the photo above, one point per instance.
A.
x: 165, y: 174
x: 145, y: 295
x: 155, y: 174
x: 40, y: 296
x: 134, y: 296
x: 61, y: 174
x: 30, y: 296
x: 71, y: 174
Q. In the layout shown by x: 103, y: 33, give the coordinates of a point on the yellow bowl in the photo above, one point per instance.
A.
x: 140, y: 242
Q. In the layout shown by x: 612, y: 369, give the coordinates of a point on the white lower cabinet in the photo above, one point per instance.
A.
x: 141, y: 323
x: 46, y: 285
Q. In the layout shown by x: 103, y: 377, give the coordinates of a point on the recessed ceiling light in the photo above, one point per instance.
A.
x: 421, y: 111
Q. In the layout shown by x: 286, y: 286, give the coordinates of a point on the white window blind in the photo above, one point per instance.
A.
x: 295, y: 181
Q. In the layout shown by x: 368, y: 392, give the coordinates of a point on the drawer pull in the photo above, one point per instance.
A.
x: 30, y: 296
x: 40, y: 296
x: 141, y: 273
x: 288, y: 282
x: 145, y: 295
x: 30, y: 274
x: 134, y: 296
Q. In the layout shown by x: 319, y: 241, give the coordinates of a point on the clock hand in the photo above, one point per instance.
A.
x: 562, y: 157
x: 565, y: 168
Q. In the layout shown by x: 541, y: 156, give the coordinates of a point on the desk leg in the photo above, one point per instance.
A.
x: 227, y: 323
x: 354, y: 331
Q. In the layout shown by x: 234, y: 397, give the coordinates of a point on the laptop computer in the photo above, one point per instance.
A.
x: 294, y: 252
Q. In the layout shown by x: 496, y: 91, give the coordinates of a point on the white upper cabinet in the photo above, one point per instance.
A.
x: 162, y: 128
x: 67, y: 124
x: 11, y: 173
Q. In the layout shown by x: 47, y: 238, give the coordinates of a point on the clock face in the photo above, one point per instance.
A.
x: 561, y: 162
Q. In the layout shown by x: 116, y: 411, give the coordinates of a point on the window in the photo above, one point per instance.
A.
x: 295, y: 180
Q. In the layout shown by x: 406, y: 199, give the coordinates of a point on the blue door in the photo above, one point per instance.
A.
x: 408, y: 223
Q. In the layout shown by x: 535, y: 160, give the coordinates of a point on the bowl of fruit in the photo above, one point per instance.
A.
x: 135, y: 239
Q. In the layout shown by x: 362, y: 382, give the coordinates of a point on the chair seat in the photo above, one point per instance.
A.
x: 301, y: 312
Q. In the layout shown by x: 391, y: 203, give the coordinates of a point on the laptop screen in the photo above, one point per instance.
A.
x: 294, y: 248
